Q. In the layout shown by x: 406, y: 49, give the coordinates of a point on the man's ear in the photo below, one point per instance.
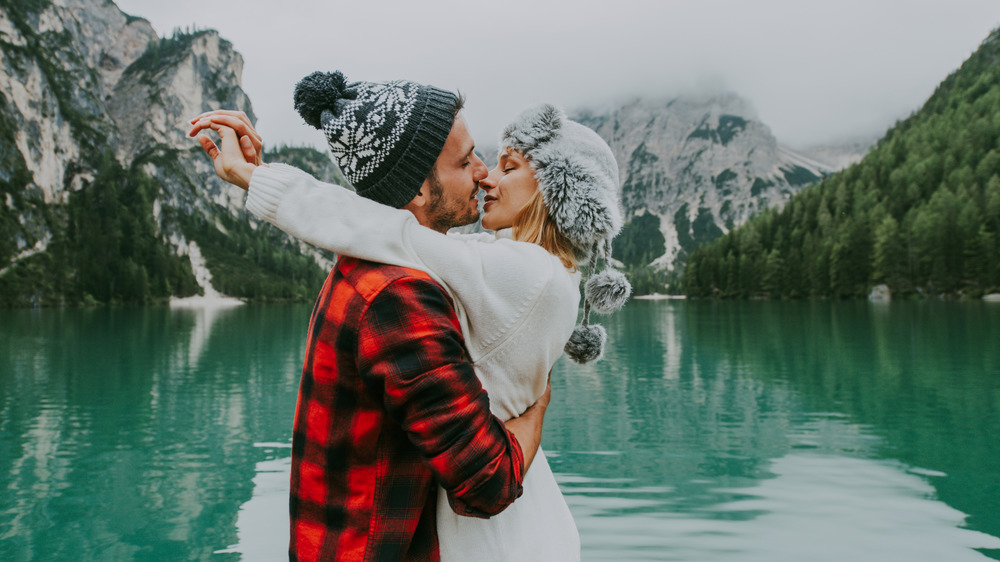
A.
x: 423, y: 197
x: 418, y: 205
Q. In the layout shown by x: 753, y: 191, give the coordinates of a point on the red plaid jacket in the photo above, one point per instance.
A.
x: 388, y: 406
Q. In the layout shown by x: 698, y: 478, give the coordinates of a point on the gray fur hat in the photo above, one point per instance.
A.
x: 578, y: 177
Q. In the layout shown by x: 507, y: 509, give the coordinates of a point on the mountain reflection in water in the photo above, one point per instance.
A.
x: 773, y: 431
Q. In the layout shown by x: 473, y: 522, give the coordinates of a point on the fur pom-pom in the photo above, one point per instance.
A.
x: 533, y: 128
x: 608, y: 291
x: 587, y: 343
x: 317, y: 93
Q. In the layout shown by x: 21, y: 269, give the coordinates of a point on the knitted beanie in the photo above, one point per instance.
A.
x: 385, y: 136
x: 578, y: 177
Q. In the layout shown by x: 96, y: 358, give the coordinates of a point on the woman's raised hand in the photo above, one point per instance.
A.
x: 250, y: 139
x: 241, y: 146
x: 229, y: 160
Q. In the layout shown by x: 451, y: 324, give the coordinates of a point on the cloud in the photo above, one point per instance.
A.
x: 815, y: 71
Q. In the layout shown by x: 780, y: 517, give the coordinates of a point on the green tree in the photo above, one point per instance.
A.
x: 889, y: 264
x: 774, y: 269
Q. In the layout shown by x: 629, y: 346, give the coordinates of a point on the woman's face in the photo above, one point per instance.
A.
x: 508, y: 189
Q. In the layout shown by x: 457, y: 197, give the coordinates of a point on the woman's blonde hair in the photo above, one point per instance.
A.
x: 533, y: 224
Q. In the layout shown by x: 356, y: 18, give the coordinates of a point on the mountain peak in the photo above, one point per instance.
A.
x: 700, y: 165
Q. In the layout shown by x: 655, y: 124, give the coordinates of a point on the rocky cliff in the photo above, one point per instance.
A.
x: 93, y: 115
x: 693, y: 168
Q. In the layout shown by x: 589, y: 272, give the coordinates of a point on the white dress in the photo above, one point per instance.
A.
x: 517, y: 305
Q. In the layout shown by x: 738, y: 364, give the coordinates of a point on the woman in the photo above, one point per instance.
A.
x: 552, y: 202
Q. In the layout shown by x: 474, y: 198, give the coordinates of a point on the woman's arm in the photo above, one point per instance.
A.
x: 496, y: 283
x: 329, y: 216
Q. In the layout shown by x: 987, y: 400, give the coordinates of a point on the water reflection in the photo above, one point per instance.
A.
x: 712, y: 431
x: 204, y: 318
x: 748, y: 389
x: 811, y: 503
x: 262, y: 526
x: 128, y: 433
x: 925, y: 374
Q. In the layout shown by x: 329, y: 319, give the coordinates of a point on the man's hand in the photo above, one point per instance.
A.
x: 527, y: 428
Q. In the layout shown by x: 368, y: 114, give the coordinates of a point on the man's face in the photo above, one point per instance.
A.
x: 454, y: 182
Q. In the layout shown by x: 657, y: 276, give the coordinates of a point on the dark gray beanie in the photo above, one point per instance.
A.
x: 385, y: 136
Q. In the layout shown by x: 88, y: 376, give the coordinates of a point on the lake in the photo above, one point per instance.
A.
x: 744, y: 431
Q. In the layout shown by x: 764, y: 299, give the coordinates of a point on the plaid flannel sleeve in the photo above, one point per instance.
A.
x: 411, y: 348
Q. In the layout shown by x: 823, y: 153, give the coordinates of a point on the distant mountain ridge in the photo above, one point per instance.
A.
x: 700, y: 166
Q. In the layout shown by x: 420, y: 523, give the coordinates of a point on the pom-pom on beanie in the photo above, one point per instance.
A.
x: 607, y: 291
x: 587, y: 343
x: 385, y: 136
x: 578, y: 177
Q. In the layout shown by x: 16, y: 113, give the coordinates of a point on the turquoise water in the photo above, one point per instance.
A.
x: 750, y: 431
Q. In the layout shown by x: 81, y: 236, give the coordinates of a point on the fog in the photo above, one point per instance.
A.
x: 817, y: 72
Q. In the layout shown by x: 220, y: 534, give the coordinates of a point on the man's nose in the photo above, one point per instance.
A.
x: 480, y: 173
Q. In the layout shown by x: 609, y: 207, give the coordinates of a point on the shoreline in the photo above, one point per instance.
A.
x: 659, y: 297
x: 199, y: 301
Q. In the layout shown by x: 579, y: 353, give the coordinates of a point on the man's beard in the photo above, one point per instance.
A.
x: 444, y: 214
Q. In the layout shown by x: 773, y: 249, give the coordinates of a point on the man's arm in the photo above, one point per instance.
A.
x: 410, y: 350
x: 527, y: 428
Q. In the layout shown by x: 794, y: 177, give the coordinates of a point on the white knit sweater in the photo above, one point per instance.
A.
x: 517, y: 305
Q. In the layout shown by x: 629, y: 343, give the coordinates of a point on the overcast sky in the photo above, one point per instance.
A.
x: 816, y: 71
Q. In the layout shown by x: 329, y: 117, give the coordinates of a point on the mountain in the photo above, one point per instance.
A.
x: 692, y: 168
x: 920, y: 213
x: 103, y: 198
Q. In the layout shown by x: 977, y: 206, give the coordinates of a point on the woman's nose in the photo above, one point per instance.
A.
x: 490, y: 181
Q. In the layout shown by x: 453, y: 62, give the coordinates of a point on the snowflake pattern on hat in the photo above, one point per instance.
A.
x: 362, y: 136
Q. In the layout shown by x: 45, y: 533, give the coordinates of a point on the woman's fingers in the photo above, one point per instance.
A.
x: 238, y: 124
x: 208, y: 146
x: 241, y: 127
x: 234, y: 158
x: 230, y: 142
x: 238, y: 120
x: 249, y: 151
x: 237, y: 114
x: 234, y: 167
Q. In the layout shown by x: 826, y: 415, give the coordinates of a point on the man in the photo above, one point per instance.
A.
x: 388, y: 404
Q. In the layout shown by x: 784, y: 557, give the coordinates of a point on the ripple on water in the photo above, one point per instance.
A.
x: 845, y: 508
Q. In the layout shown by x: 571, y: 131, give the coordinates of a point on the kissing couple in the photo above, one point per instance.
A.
x: 426, y: 375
